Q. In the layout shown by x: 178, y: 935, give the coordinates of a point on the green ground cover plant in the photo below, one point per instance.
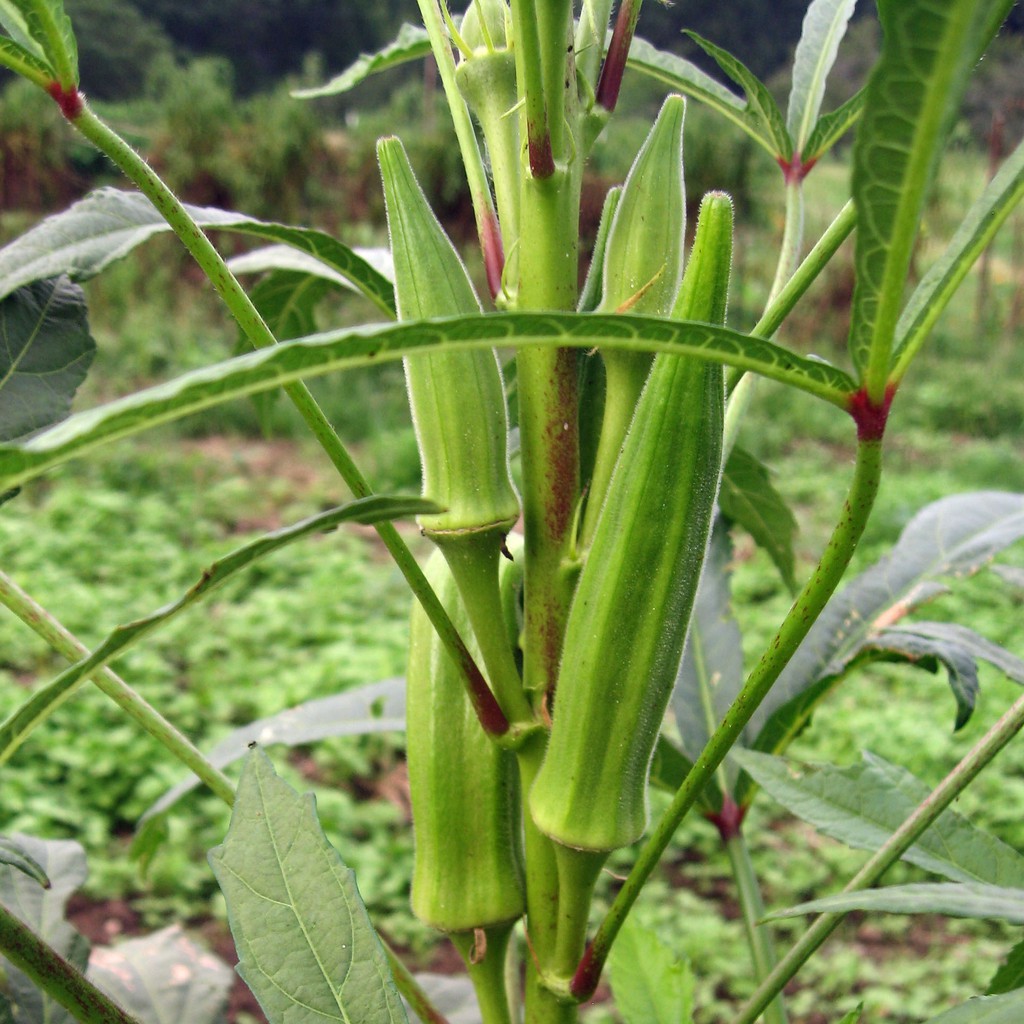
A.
x: 560, y: 675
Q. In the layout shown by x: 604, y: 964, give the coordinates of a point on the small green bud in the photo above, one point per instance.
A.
x: 484, y: 25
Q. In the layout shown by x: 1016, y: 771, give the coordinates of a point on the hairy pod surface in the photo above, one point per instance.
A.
x: 457, y: 398
x: 629, y: 616
x: 464, y: 789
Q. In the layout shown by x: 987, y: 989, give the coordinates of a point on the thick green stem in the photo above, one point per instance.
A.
x: 808, y: 606
x: 134, y: 705
x: 486, y: 969
x: 762, y: 951
x: 259, y: 334
x: 61, y: 981
x: 792, y: 238
x: 530, y: 75
x: 923, y: 817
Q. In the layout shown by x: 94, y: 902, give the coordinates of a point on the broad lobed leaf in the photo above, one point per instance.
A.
x: 306, y: 946
x: 651, y: 984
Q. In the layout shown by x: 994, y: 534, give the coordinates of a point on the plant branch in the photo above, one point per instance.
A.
x: 530, y: 76
x: 806, y: 609
x: 259, y: 334
x: 895, y: 846
x: 131, y: 702
x: 60, y: 980
x: 411, y: 989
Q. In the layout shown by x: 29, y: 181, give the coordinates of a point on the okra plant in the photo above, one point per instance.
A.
x: 571, y: 643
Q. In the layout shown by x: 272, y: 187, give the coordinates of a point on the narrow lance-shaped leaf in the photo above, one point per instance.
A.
x: 411, y: 43
x: 863, y: 805
x: 951, y: 538
x: 376, y: 707
x: 44, y: 701
x: 24, y: 62
x: 49, y: 27
x: 305, y: 943
x: 760, y: 102
x: 914, y: 90
x: 45, y: 352
x: 309, y: 357
x: 823, y: 29
x: 12, y: 20
x: 976, y: 231
x: 953, y: 899
x: 831, y: 127
x: 108, y: 224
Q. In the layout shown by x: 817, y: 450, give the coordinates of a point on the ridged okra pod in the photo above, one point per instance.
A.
x: 642, y: 266
x: 468, y: 870
x: 629, y: 616
x: 458, y: 409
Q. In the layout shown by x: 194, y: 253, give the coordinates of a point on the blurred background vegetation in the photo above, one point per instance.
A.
x: 203, y: 90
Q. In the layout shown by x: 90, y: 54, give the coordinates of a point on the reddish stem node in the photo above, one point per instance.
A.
x: 542, y: 160
x: 494, y: 253
x: 615, y: 62
x: 487, y: 708
x: 795, y: 170
x: 729, y: 820
x: 588, y: 974
x: 69, y: 100
x: 869, y: 415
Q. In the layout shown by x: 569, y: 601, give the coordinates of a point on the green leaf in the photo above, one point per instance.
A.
x: 163, y: 977
x: 853, y: 1017
x: 748, y: 499
x: 63, y: 862
x: 823, y: 29
x: 306, y: 946
x: 669, y: 767
x: 976, y: 231
x: 45, y: 351
x: 711, y: 672
x: 863, y: 805
x: 411, y: 43
x: 683, y: 76
x: 48, y: 698
x: 954, y: 537
x: 13, y: 855
x: 1003, y: 1009
x: 285, y: 258
x: 650, y: 983
x: 760, y: 103
x: 12, y: 20
x: 956, y: 648
x: 309, y: 357
x: 832, y: 127
x: 108, y: 224
x: 913, y: 93
x: 24, y: 62
x: 954, y: 899
x: 376, y: 707
x: 1010, y: 975
x: 50, y: 28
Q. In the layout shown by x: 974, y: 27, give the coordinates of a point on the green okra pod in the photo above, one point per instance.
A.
x: 629, y: 616
x: 641, y: 269
x: 463, y: 787
x: 458, y: 408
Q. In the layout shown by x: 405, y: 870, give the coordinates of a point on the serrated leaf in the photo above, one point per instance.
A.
x: 761, y: 104
x: 305, y: 943
x: 1010, y: 975
x: 14, y: 856
x: 823, y: 29
x: 932, y: 294
x: 63, y: 862
x: 411, y: 43
x: 1004, y: 1009
x: 163, y: 977
x: 651, y: 985
x: 863, y: 805
x: 48, y: 698
x: 956, y: 648
x: 108, y: 224
x: 45, y: 351
x: 953, y: 899
x: 49, y: 27
x: 377, y: 707
x: 749, y: 499
x: 711, y: 672
x: 912, y: 95
x: 953, y: 537
x: 25, y: 62
x: 831, y: 127
x: 683, y: 76
x: 361, y: 346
